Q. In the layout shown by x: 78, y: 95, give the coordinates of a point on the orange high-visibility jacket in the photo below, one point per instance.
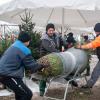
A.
x: 93, y: 44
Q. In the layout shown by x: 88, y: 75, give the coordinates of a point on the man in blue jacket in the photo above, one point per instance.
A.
x: 13, y: 62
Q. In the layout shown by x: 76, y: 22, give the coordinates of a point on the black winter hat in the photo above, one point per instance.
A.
x: 24, y: 37
x: 50, y: 25
x: 97, y: 27
x: 70, y: 34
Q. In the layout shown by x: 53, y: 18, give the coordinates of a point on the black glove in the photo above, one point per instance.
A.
x: 45, y: 65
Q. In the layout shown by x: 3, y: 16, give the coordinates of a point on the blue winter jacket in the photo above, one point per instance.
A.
x: 16, y: 59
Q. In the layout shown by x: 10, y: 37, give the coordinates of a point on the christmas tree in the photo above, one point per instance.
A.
x: 28, y: 26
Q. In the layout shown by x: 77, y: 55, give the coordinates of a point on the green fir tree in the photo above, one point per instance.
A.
x: 28, y: 26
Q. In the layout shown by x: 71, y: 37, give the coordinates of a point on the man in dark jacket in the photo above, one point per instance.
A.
x: 50, y: 41
x: 70, y: 40
x: 14, y: 61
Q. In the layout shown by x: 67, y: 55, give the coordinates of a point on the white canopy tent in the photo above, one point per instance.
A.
x: 63, y: 13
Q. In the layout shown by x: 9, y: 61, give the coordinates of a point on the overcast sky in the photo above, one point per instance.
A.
x: 4, y: 1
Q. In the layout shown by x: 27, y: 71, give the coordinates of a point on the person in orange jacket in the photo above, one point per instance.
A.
x: 96, y: 45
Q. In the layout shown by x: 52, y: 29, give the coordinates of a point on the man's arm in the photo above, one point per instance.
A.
x: 93, y: 44
x: 31, y: 64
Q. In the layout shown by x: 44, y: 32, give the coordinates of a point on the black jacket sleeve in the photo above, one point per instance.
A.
x: 31, y: 64
x: 48, y: 46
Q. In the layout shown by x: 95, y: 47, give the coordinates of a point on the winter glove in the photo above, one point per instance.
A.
x: 43, y: 66
x: 77, y: 46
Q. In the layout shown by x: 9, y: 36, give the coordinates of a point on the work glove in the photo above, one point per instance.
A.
x: 77, y: 46
x: 43, y: 66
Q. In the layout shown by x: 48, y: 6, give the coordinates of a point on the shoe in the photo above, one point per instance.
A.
x: 86, y: 87
x: 87, y: 74
x: 74, y: 83
x: 67, y: 78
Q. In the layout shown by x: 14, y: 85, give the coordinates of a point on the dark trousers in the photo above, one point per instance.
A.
x: 94, y: 76
x: 22, y: 92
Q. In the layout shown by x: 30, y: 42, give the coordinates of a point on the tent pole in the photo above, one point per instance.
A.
x: 63, y: 22
x: 4, y: 30
x: 49, y: 16
x: 85, y: 21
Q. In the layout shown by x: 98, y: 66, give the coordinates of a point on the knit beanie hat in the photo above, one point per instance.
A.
x: 50, y: 25
x: 97, y: 27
